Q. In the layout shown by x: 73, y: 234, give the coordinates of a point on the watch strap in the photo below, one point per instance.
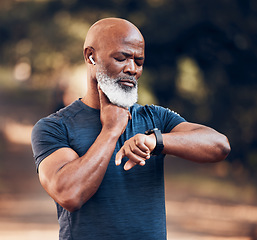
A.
x: 159, y: 140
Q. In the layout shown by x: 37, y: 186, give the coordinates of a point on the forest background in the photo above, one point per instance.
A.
x: 201, y: 61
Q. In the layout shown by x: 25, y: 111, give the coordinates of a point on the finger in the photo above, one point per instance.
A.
x: 129, y: 115
x: 143, y: 147
x: 99, y: 90
x: 119, y: 156
x: 140, y: 142
x: 135, y: 158
x: 140, y: 150
x: 102, y: 97
x: 129, y: 164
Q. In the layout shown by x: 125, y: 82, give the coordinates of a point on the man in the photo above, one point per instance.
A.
x: 94, y: 158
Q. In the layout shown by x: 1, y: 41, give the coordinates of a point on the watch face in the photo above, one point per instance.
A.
x: 150, y: 131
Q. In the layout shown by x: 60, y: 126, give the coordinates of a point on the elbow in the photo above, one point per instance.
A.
x: 71, y: 204
x: 222, y: 147
x: 73, y: 199
x: 68, y: 199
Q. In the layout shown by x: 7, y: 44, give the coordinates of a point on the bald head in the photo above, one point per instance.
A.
x: 114, y: 54
x: 108, y: 31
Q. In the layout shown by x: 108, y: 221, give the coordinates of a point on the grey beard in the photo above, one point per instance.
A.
x: 117, y: 94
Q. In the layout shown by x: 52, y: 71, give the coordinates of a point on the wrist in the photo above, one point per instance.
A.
x: 111, y: 133
x: 151, y: 142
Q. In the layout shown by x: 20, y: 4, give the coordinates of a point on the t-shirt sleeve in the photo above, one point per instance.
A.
x: 168, y: 118
x: 48, y: 135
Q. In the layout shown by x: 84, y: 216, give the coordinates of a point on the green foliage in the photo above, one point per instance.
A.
x: 200, y: 55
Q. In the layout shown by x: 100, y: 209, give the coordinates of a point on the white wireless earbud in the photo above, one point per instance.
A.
x: 91, y: 59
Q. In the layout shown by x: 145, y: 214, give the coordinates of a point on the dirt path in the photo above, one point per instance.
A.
x: 26, y: 218
x: 30, y: 218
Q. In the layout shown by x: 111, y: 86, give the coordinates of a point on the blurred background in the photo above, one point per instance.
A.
x: 201, y: 61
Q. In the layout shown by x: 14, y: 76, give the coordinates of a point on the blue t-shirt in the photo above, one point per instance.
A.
x: 128, y: 204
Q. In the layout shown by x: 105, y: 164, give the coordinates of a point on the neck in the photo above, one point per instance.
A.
x: 91, y: 98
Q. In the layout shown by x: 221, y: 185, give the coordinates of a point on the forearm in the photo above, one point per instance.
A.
x: 202, y: 145
x: 78, y: 180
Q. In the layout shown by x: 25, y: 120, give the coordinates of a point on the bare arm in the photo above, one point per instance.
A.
x: 196, y: 142
x: 71, y: 180
x: 190, y: 141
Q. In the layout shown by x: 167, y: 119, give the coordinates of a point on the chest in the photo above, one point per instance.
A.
x: 83, y: 132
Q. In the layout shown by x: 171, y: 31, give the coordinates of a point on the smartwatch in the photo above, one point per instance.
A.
x: 159, y: 141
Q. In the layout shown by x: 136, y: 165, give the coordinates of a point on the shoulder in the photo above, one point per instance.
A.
x: 70, y: 111
x: 54, y: 123
x: 62, y: 116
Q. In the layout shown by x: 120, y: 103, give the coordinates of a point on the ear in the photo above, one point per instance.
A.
x: 89, y: 51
